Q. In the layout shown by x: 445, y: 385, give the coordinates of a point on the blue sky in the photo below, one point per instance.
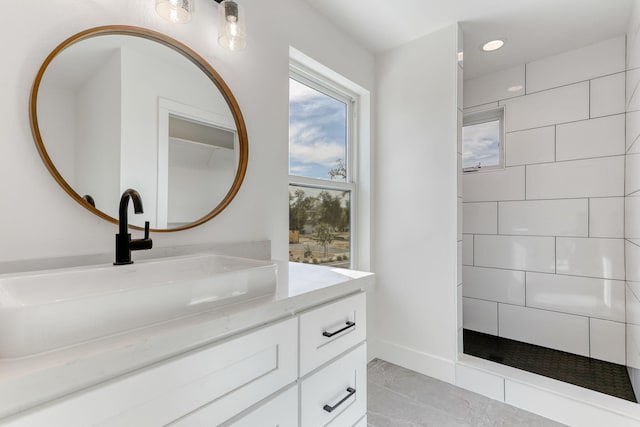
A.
x: 317, y: 132
x: 481, y: 144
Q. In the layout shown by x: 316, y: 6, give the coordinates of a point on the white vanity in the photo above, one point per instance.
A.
x: 294, y: 357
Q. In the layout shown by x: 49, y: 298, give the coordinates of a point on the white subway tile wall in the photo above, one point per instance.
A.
x: 503, y: 84
x: 550, y: 107
x: 599, y: 298
x: 590, y: 62
x: 632, y: 174
x: 633, y: 131
x: 550, y: 329
x: 633, y: 303
x: 564, y: 217
x: 632, y: 95
x: 467, y: 249
x: 494, y: 285
x: 515, y: 252
x: 480, y: 218
x: 606, y: 217
x: 632, y: 217
x: 601, y: 258
x: 607, y: 95
x: 632, y: 260
x: 607, y: 340
x: 632, y: 207
x: 543, y: 249
x: 530, y: 146
x: 480, y: 315
x: 591, y: 138
x: 505, y: 184
x: 601, y: 177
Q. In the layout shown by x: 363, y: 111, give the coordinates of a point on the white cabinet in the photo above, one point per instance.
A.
x: 233, y: 375
x: 252, y: 379
x: 337, y: 393
x: 330, y: 330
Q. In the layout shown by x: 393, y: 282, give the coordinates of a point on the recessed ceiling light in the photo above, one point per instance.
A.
x: 492, y: 45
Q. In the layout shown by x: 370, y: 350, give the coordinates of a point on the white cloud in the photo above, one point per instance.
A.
x: 481, y: 144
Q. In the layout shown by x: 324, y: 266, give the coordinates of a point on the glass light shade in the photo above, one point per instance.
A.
x: 175, y: 10
x: 232, y: 33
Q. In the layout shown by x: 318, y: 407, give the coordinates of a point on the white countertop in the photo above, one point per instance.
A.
x: 27, y: 382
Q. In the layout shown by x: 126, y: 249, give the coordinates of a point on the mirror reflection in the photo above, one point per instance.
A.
x: 118, y: 111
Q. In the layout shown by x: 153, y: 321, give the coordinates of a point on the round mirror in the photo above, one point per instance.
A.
x: 122, y: 107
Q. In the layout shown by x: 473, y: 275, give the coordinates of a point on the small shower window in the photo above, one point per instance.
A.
x: 483, y: 140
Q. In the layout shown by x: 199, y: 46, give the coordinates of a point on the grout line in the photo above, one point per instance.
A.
x: 555, y: 143
x: 525, y: 289
x: 525, y: 182
x: 549, y: 199
x: 588, y: 217
x: 547, y: 236
x: 545, y: 310
x: 589, y: 98
x: 555, y: 254
x: 633, y: 143
x: 546, y: 272
x: 589, y: 333
x: 576, y: 82
x: 569, y: 122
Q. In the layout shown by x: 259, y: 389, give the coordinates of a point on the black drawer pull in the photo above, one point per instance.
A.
x: 351, y: 392
x: 330, y: 334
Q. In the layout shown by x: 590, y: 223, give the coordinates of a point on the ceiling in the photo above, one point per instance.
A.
x: 533, y: 28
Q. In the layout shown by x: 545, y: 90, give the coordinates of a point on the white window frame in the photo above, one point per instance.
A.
x: 484, y: 116
x: 323, y: 84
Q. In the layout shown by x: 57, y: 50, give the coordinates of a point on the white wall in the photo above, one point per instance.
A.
x: 416, y: 204
x: 632, y: 197
x: 544, y: 237
x: 258, y: 77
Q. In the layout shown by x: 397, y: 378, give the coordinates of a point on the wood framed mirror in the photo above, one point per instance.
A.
x: 119, y: 107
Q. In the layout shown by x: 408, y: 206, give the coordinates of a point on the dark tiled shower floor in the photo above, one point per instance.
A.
x: 582, y: 371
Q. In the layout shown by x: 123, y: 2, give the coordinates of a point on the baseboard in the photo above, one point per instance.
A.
x: 424, y: 363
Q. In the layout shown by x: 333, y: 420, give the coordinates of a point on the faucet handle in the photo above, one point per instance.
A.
x: 146, y: 229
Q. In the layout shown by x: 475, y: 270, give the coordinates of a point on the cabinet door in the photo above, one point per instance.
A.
x: 236, y: 373
x: 337, y: 393
x: 330, y: 330
x: 281, y: 411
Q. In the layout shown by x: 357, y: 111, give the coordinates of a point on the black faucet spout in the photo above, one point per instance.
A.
x: 124, y: 244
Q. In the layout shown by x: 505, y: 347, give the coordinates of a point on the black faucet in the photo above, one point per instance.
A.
x: 124, y: 244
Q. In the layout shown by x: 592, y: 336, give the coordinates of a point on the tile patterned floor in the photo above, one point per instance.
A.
x: 597, y: 375
x: 398, y: 397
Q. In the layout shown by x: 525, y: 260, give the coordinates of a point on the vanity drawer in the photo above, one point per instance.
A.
x: 336, y: 394
x: 328, y: 331
x: 237, y: 373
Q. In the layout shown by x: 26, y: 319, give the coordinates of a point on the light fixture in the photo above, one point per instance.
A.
x: 232, y: 33
x: 492, y: 45
x: 175, y: 10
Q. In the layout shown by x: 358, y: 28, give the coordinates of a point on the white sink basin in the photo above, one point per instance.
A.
x: 46, y: 310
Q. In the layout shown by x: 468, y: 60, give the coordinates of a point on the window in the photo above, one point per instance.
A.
x: 482, y: 140
x: 321, y: 170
